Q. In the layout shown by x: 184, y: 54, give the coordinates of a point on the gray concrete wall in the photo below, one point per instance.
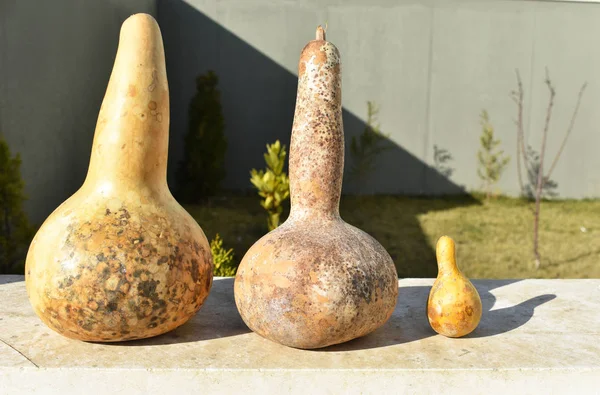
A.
x: 431, y: 66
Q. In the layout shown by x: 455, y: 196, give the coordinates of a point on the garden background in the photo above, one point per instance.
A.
x: 429, y: 67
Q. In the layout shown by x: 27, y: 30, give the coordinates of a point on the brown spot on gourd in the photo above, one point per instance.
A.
x: 131, y: 91
x: 148, y: 288
x: 102, y: 268
x: 469, y: 311
x: 196, y: 247
x: 163, y: 259
x: 152, y: 105
x: 195, y: 269
x: 301, y: 68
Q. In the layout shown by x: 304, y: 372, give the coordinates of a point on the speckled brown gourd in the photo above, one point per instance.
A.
x: 121, y: 259
x: 454, y: 306
x: 316, y: 280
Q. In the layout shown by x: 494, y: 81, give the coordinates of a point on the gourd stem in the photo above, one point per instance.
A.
x: 320, y: 33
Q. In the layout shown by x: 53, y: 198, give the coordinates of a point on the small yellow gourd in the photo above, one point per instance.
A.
x: 454, y: 306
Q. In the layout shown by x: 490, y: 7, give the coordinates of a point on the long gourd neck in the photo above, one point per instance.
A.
x: 317, y: 143
x: 446, y: 257
x: 130, y: 145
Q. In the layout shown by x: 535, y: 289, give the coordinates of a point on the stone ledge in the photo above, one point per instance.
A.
x: 536, y: 336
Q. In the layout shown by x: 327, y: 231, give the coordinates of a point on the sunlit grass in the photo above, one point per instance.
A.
x: 494, y: 239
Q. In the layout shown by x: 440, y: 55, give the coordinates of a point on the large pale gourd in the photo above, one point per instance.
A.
x: 454, y: 306
x: 121, y: 259
x: 316, y: 280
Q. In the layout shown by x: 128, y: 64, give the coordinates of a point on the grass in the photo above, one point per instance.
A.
x: 494, y: 239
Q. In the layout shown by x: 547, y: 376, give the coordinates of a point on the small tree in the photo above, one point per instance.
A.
x: 534, y: 161
x: 533, y: 170
x: 492, y: 161
x: 202, y: 169
x: 272, y: 183
x: 367, y: 146
x: 441, y: 158
x: 15, y: 230
x: 222, y: 258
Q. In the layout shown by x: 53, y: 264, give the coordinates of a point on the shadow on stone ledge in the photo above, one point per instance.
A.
x: 409, y: 322
x: 11, y: 278
x: 219, y: 318
x: 506, y: 319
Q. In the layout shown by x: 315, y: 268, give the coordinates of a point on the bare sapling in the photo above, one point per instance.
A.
x: 534, y: 164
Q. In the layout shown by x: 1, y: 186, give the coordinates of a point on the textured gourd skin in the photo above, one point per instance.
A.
x: 316, y: 280
x: 121, y: 259
x: 454, y: 306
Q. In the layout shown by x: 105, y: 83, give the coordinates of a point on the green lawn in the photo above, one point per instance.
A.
x: 494, y: 239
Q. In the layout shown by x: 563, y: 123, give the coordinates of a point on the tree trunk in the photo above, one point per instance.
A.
x: 540, y: 177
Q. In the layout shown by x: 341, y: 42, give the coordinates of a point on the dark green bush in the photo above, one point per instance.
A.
x: 202, y: 170
x: 15, y: 231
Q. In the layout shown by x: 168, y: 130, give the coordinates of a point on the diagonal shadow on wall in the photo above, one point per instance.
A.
x: 258, y: 97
